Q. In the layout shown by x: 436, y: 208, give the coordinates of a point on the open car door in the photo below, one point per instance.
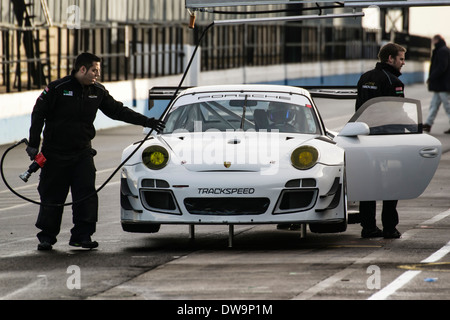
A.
x: 388, y: 157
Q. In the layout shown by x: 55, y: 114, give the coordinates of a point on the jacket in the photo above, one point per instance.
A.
x: 68, y: 111
x: 439, y: 78
x: 379, y: 82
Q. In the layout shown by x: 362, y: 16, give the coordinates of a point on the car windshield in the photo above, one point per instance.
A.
x: 243, y: 114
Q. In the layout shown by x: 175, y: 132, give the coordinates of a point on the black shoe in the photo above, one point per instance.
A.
x: 84, y: 244
x: 426, y: 128
x: 447, y: 132
x: 391, y: 234
x: 44, y: 246
x: 371, y: 233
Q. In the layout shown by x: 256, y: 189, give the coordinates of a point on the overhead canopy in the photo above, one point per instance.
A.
x: 193, y: 4
x: 229, y: 3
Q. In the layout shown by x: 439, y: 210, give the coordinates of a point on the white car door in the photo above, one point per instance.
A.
x: 387, y: 155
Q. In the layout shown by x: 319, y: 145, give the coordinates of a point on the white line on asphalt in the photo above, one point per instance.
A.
x: 403, y: 279
x: 39, y: 283
x: 27, y: 203
x: 437, y: 218
x: 34, y: 185
x: 407, y: 276
x: 322, y: 285
x: 14, y: 207
x: 20, y: 253
x: 30, y: 252
x: 391, y: 288
x: 28, y: 186
x: 438, y: 255
x: 328, y: 282
x: 5, y: 244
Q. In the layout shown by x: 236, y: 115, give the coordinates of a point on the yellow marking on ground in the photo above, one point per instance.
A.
x: 432, y: 266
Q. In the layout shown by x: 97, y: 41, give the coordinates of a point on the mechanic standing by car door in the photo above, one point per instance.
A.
x: 68, y: 108
x: 381, y: 81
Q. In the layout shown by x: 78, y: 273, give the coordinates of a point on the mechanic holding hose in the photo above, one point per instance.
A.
x: 68, y: 108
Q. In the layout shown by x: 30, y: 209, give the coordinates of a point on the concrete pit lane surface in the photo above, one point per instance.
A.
x: 265, y: 263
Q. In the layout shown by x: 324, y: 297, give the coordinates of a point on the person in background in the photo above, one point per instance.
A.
x: 381, y: 81
x: 439, y: 81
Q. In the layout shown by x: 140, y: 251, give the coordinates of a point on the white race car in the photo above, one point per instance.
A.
x: 260, y: 154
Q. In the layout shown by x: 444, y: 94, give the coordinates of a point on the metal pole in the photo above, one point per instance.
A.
x: 288, y: 18
x: 192, y: 231
x: 303, y: 230
x: 230, y: 235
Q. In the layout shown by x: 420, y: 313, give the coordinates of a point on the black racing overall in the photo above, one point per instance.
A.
x: 68, y: 111
x: 381, y: 81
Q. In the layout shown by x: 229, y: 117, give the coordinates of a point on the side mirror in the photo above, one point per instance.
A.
x: 353, y: 129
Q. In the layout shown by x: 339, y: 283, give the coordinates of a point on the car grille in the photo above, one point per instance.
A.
x: 159, y: 201
x: 296, y: 200
x: 227, y: 206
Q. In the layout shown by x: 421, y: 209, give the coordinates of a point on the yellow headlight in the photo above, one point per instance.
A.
x: 305, y: 157
x: 155, y: 157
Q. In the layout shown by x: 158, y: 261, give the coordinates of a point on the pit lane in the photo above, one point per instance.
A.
x: 264, y: 263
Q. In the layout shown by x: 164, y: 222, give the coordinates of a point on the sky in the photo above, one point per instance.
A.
x: 428, y: 21
x: 424, y: 21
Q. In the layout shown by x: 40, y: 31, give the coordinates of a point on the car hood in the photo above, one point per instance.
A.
x: 233, y: 151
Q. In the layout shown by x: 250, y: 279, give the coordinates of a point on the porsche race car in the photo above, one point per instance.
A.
x: 261, y: 154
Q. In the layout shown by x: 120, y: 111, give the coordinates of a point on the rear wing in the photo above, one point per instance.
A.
x: 160, y: 97
x: 332, y: 92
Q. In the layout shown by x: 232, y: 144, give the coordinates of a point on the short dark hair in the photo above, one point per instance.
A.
x: 390, y: 49
x: 438, y: 37
x: 85, y: 59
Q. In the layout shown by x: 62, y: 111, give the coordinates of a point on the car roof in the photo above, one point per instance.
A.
x: 248, y: 87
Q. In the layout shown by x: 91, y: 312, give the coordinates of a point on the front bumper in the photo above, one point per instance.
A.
x: 168, y: 197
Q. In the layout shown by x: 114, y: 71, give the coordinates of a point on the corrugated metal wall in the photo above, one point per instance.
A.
x: 101, y: 11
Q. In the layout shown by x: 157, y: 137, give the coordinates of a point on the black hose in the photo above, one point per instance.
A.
x: 70, y: 203
x: 123, y: 162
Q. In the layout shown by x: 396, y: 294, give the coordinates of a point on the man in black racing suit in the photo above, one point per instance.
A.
x: 68, y: 108
x: 381, y: 81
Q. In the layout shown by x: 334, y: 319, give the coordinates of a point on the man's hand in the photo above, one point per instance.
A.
x: 155, y: 124
x: 32, y: 152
